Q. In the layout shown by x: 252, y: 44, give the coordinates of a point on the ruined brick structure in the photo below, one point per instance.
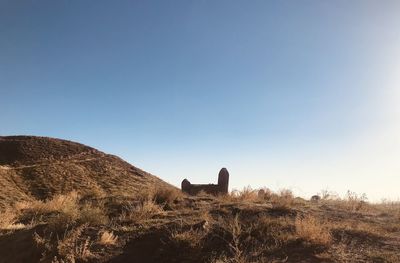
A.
x: 214, y: 189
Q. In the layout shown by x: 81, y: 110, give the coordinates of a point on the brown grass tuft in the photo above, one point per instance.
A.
x: 140, y: 212
x: 93, y: 215
x: 191, y: 238
x: 166, y: 195
x: 74, y: 246
x: 313, y: 230
x: 246, y: 194
x: 8, y: 219
x: 107, y: 238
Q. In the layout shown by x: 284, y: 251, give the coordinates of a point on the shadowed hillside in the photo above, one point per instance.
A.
x: 39, y: 167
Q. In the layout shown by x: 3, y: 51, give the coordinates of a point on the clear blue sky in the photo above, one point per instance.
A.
x: 285, y: 94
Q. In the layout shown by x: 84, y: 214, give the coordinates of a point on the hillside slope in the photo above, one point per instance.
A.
x: 40, y: 167
x: 81, y: 205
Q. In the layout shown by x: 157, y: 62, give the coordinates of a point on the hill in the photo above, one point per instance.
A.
x: 64, y: 202
x: 40, y: 167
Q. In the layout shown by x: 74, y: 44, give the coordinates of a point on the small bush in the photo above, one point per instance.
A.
x: 63, y: 204
x: 283, y: 200
x: 107, y: 238
x: 92, y: 215
x: 163, y: 195
x: 191, y: 238
x: 74, y: 246
x: 140, y: 212
x: 246, y: 194
x: 63, y: 210
x: 274, y: 231
x: 8, y: 221
x: 166, y: 195
x: 313, y: 230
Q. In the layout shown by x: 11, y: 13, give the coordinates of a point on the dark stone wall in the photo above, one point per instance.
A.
x: 214, y: 189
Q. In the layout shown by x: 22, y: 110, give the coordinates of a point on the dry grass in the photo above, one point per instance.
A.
x: 140, y: 212
x: 242, y: 227
x: 311, y: 229
x: 65, y: 207
x: 279, y: 230
x: 246, y: 194
x: 8, y: 220
x: 235, y: 227
x: 74, y: 246
x: 353, y: 202
x: 284, y: 199
x: 160, y: 195
x: 388, y: 207
x: 107, y: 238
x: 93, y: 215
x: 62, y: 211
x: 166, y: 195
x: 189, y: 238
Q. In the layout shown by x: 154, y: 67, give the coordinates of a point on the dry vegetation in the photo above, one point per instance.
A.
x: 62, y: 202
x: 163, y: 225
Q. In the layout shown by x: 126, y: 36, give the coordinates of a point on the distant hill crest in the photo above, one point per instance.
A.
x: 34, y: 167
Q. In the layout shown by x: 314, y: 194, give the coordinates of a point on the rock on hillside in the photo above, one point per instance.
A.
x: 39, y: 167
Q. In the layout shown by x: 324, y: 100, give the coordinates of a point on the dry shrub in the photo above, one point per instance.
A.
x: 234, y: 227
x: 227, y: 198
x: 242, y: 245
x: 140, y: 212
x: 39, y: 240
x: 246, y: 194
x: 189, y: 238
x: 203, y: 193
x: 163, y: 195
x: 166, y: 195
x: 93, y: 215
x: 74, y: 246
x: 265, y: 193
x: 388, y: 207
x: 283, y: 200
x: 93, y: 190
x: 364, y: 227
x: 107, y: 238
x: 355, y: 202
x: 274, y: 232
x: 66, y: 204
x: 64, y: 210
x: 313, y: 230
x: 325, y: 194
x: 145, y: 194
x: 352, y: 201
x: 8, y: 219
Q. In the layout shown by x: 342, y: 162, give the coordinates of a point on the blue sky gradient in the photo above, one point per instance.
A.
x: 285, y: 94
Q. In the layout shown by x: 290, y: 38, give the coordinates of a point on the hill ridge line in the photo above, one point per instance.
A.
x: 9, y: 167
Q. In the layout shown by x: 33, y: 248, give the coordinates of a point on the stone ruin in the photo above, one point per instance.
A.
x: 214, y: 189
